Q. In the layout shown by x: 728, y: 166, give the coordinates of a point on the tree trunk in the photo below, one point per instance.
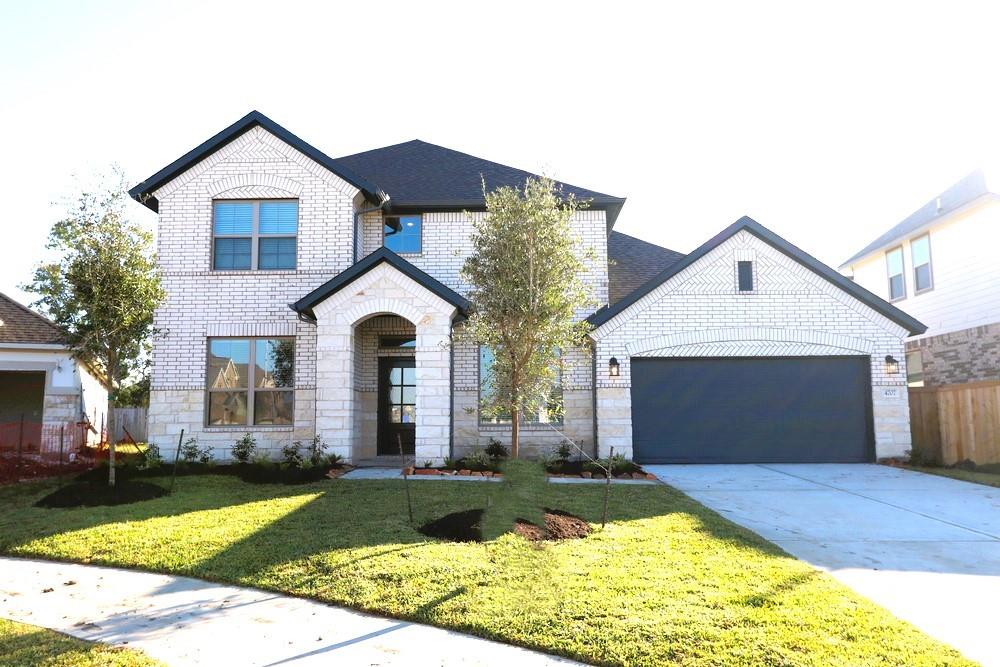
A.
x: 515, y: 432
x: 111, y: 442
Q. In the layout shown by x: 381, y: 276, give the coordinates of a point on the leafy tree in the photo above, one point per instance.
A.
x: 526, y: 293
x: 103, y: 289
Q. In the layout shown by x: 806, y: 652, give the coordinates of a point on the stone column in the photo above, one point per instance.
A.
x: 335, y: 382
x: 433, y: 388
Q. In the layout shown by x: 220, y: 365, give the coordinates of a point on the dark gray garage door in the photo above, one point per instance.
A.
x: 752, y: 410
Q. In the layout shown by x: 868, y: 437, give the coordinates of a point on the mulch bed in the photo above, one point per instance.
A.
x: 29, y: 469
x: 466, y: 526
x: 267, y: 473
x: 91, y: 494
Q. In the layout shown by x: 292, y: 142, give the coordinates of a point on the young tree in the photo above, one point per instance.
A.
x: 103, y: 289
x: 526, y: 292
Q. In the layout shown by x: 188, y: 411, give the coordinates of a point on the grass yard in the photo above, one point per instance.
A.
x: 976, y: 476
x: 28, y: 646
x: 668, y: 582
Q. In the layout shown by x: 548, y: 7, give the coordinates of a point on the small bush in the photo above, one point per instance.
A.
x: 550, y: 460
x: 450, y: 463
x: 150, y: 457
x: 315, y: 452
x: 564, y: 451
x: 335, y: 460
x: 261, y: 458
x: 244, y: 448
x: 478, y: 460
x: 291, y: 454
x: 496, y: 450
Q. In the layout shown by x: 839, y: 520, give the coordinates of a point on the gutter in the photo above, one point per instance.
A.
x: 357, y: 222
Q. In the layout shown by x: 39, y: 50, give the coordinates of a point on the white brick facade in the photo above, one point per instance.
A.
x: 696, y: 313
x: 792, y: 312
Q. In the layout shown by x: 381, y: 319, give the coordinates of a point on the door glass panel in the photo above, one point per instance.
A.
x: 409, y: 414
x: 409, y: 395
x: 409, y: 376
x: 395, y: 414
x: 396, y: 395
x: 395, y: 375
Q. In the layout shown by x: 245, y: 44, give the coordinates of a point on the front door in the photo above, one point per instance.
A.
x: 397, y: 405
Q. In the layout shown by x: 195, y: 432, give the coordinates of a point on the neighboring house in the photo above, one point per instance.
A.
x: 42, y: 383
x: 940, y: 266
x: 311, y: 295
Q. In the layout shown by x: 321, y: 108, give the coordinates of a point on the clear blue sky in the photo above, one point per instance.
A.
x: 826, y: 123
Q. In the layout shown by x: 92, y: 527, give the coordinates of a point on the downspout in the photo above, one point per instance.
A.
x: 357, y: 223
x: 593, y: 392
x: 451, y: 391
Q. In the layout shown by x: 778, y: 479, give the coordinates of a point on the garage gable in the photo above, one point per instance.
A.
x: 776, y: 267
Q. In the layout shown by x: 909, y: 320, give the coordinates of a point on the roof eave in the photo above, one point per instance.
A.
x: 304, y: 306
x: 143, y: 192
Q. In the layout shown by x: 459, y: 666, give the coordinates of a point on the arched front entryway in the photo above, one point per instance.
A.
x: 345, y: 319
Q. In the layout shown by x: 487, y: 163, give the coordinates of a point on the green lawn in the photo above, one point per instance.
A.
x: 27, y: 646
x: 975, y: 476
x: 668, y: 582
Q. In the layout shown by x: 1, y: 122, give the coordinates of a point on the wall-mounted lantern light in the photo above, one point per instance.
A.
x: 613, y: 367
x: 891, y: 364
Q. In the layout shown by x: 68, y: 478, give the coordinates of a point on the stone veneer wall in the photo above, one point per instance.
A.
x: 958, y: 357
x: 791, y: 312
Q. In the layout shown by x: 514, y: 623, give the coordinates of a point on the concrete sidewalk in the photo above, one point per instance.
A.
x: 185, y: 621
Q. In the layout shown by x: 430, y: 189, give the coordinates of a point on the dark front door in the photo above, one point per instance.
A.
x: 397, y: 405
x: 752, y: 410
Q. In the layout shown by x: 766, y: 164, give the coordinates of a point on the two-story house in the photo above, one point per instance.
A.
x: 312, y: 295
x: 939, y: 266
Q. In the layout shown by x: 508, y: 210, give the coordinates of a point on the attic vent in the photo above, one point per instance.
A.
x: 744, y: 274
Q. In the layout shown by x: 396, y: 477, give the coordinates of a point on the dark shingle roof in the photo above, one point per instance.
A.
x: 879, y: 305
x: 970, y: 188
x: 414, y: 174
x: 420, y: 175
x: 21, y: 325
x: 634, y: 261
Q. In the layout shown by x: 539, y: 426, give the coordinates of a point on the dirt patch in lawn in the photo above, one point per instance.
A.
x: 467, y: 527
x: 90, y: 494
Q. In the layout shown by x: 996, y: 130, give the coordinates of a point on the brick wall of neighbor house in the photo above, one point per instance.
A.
x: 962, y: 356
x: 792, y: 312
x: 202, y: 303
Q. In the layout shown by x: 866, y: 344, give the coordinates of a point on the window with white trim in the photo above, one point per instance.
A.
x: 250, y: 381
x: 897, y: 280
x: 254, y: 235
x: 920, y: 253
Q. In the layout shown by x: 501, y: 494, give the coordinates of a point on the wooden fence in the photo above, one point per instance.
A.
x: 956, y: 422
x: 132, y: 419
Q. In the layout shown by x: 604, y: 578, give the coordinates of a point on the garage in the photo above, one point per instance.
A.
x: 752, y: 410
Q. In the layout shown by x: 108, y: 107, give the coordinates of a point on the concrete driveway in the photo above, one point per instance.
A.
x: 925, y: 547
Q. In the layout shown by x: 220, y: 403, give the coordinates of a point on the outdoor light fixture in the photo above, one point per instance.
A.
x: 613, y: 367
x: 891, y: 365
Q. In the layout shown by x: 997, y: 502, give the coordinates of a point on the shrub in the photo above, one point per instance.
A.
x: 315, y: 449
x: 292, y: 454
x: 334, y: 460
x: 450, y: 463
x: 150, y: 456
x: 205, y: 456
x: 478, y: 460
x: 190, y: 451
x: 244, y: 448
x: 564, y: 451
x: 261, y: 458
x: 496, y: 450
x: 550, y: 459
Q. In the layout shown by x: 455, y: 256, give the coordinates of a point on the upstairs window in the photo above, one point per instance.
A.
x: 401, y: 234
x: 894, y: 266
x: 920, y: 250
x: 254, y: 235
x: 744, y: 274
